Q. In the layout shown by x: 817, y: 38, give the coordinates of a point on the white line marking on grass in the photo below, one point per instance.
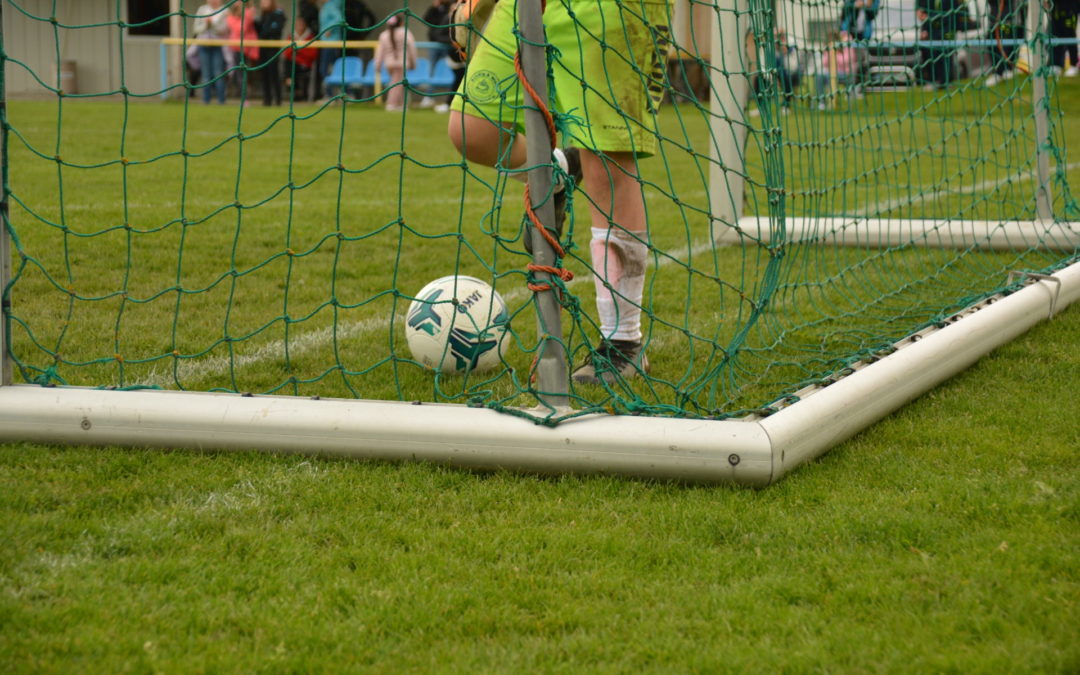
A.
x: 195, y: 369
x: 889, y: 204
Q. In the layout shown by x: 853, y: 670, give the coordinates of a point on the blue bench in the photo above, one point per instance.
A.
x: 347, y: 74
x: 442, y: 78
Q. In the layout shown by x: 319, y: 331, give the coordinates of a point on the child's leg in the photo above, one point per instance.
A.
x: 395, y: 95
x: 485, y: 126
x: 486, y: 109
x: 619, y: 236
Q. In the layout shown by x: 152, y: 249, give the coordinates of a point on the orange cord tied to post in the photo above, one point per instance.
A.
x: 549, y: 120
x: 560, y: 272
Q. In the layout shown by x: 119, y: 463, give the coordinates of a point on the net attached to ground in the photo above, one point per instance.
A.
x: 158, y: 242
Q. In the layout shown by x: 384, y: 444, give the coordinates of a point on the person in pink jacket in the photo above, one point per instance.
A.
x: 241, y: 19
x: 839, y: 55
x: 396, y: 52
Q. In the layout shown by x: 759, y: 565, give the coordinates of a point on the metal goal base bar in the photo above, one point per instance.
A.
x: 753, y: 452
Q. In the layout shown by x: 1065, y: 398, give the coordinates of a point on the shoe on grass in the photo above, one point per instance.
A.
x: 613, y: 360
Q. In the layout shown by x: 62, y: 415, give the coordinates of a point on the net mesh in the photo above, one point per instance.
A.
x: 276, y: 250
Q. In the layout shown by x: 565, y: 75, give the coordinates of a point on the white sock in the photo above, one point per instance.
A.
x: 619, y: 260
x: 560, y: 158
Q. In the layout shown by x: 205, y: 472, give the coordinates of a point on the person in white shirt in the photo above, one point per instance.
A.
x: 211, y: 23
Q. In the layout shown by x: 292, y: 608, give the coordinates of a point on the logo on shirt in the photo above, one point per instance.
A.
x: 482, y: 86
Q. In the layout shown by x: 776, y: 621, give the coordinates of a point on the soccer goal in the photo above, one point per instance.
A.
x: 821, y: 246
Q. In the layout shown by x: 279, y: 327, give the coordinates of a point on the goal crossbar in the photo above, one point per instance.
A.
x: 751, y: 451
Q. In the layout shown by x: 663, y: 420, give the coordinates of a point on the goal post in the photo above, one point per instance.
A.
x: 552, y: 367
x: 729, y: 97
x: 1036, y: 22
x: 5, y: 244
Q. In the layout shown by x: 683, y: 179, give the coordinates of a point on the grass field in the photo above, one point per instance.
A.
x: 943, y: 539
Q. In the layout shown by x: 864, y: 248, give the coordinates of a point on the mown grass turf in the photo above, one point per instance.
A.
x: 943, y: 539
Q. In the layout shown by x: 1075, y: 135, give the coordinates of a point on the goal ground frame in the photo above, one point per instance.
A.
x: 752, y: 451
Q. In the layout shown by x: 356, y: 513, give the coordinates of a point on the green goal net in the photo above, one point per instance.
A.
x: 810, y: 201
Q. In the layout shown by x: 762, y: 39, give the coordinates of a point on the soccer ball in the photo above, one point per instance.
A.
x: 456, y: 324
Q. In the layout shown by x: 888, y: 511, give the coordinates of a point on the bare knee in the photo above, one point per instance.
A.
x: 483, y: 142
x: 471, y: 136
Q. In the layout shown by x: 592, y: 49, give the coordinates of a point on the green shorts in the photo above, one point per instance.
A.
x: 607, y: 71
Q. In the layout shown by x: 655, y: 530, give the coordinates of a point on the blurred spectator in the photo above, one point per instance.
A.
x: 359, y: 19
x: 397, y: 53
x: 331, y: 29
x: 1006, y: 23
x: 299, y: 62
x: 1063, y: 25
x: 788, y: 73
x: 939, y: 21
x: 211, y: 23
x: 270, y: 25
x: 241, y: 20
x: 857, y: 21
x: 437, y: 17
x: 857, y: 18
x: 840, y: 58
x: 309, y: 12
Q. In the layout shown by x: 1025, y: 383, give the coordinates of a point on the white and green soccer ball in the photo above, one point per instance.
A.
x: 456, y: 324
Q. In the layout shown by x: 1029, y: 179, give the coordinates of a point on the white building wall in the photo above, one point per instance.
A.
x: 36, y: 47
x: 88, y: 34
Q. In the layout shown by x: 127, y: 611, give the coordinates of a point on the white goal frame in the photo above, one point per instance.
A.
x: 754, y: 451
x: 751, y: 451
